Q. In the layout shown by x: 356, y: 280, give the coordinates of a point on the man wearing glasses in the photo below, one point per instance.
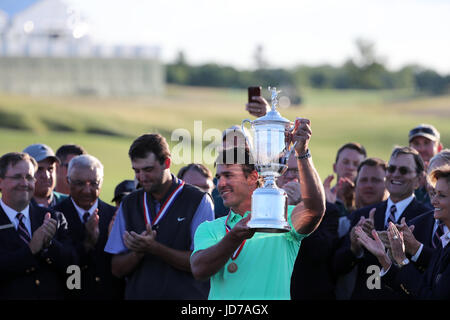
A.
x: 88, y: 218
x: 35, y: 249
x: 404, y: 171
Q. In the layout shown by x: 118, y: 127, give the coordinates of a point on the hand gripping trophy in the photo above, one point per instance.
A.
x: 270, y: 150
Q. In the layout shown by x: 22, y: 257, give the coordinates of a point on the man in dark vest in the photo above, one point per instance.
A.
x: 152, y: 235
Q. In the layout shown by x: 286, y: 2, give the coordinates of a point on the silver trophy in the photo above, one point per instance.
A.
x: 270, y: 152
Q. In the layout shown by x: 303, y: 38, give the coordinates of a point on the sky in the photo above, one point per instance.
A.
x: 291, y: 32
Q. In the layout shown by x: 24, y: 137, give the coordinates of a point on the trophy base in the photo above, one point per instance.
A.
x: 268, y: 226
x: 269, y: 211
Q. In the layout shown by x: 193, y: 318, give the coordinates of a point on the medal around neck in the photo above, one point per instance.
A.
x: 270, y: 152
x: 232, y: 267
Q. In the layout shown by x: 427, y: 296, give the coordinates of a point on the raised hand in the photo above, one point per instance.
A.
x: 369, y: 223
x: 145, y: 242
x: 258, y: 108
x: 301, y: 134
x: 292, y: 189
x: 397, y: 243
x: 330, y: 193
x: 373, y: 245
x: 43, y: 235
x: 241, y: 230
x: 355, y: 245
x: 411, y: 243
x: 92, y: 230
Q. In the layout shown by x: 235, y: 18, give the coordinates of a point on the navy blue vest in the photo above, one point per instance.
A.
x: 153, y: 278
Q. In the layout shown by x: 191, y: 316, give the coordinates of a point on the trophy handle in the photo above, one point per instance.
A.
x: 289, y: 150
x: 243, y: 132
x: 288, y: 153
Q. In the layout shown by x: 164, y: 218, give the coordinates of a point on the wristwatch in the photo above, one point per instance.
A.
x: 404, y: 262
x: 304, y: 156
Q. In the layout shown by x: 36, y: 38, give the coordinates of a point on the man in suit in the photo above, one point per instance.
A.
x: 89, y: 218
x: 434, y: 283
x: 35, y: 249
x: 422, y: 240
x: 405, y: 169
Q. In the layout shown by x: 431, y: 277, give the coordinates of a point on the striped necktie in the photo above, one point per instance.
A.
x: 391, y: 218
x: 437, y: 235
x: 22, y: 230
x: 85, y: 217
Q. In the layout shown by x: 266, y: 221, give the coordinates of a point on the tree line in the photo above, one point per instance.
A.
x: 366, y: 71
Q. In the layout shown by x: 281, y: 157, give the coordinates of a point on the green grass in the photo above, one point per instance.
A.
x: 106, y: 127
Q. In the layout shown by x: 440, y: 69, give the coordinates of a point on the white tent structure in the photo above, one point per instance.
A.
x: 46, y: 48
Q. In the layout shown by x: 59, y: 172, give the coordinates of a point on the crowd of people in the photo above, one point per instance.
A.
x: 186, y: 236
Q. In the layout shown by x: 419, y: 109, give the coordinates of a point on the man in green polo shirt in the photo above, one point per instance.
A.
x: 240, y: 263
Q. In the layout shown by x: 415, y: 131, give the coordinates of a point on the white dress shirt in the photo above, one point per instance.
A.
x: 401, y: 206
x: 81, y: 211
x: 11, y: 213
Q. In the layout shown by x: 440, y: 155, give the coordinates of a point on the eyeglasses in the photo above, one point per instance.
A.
x: 81, y: 184
x: 422, y: 130
x: 403, y: 170
x: 18, y: 177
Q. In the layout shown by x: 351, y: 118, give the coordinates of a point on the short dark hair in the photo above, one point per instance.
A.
x: 200, y: 168
x: 67, y: 149
x: 150, y: 143
x: 12, y: 159
x: 371, y: 162
x: 238, y: 155
x: 354, y: 146
x: 408, y: 150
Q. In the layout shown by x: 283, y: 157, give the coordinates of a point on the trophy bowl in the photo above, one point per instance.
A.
x: 270, y: 151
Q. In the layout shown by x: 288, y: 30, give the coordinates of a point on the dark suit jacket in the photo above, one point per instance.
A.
x: 344, y: 259
x: 423, y: 232
x: 97, y: 281
x: 41, y: 276
x: 434, y: 284
x: 312, y: 275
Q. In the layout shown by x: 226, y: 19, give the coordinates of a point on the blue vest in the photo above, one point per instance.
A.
x: 153, y: 278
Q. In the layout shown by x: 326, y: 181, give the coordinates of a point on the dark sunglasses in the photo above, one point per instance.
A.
x: 403, y: 170
x: 421, y: 130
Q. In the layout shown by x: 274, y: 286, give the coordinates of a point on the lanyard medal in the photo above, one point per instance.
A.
x: 164, y: 208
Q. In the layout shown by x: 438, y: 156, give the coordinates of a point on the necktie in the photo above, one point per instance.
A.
x: 437, y: 235
x: 391, y: 218
x: 85, y: 217
x: 22, y: 230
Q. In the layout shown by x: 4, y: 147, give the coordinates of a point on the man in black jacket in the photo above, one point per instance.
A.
x: 89, y: 218
x: 405, y: 169
x: 35, y: 250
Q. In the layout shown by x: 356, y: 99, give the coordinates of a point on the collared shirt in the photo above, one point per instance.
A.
x: 115, y: 244
x: 401, y: 206
x: 445, y: 238
x: 11, y: 213
x: 81, y: 211
x: 265, y: 262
